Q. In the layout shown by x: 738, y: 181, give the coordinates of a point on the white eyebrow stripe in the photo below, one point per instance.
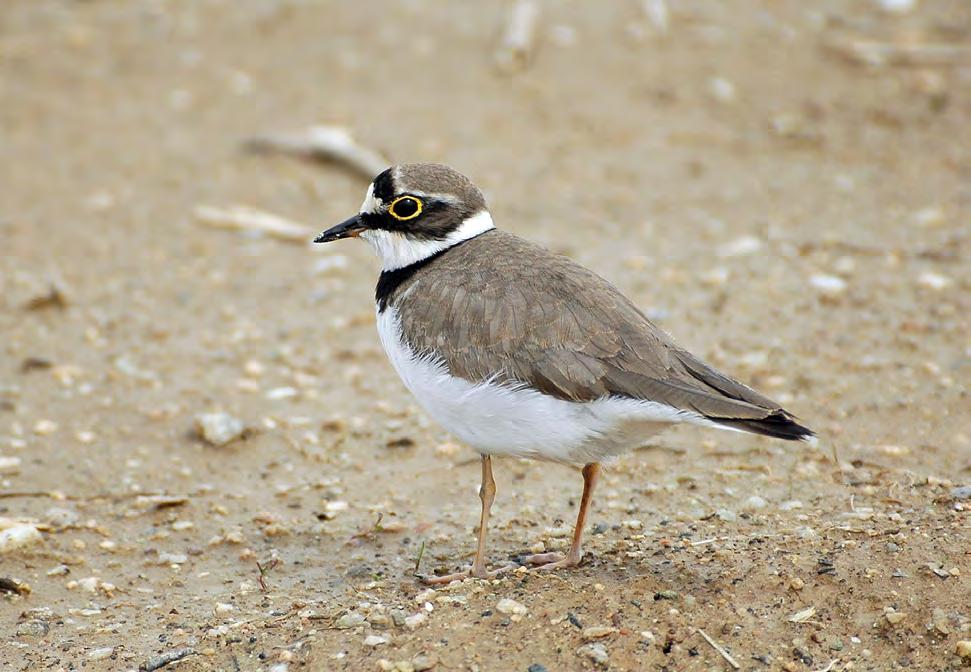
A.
x: 447, y: 198
x: 371, y: 202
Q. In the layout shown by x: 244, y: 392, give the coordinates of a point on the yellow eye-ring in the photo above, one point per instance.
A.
x: 404, y: 208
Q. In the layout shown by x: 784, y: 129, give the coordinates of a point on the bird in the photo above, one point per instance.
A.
x: 521, y: 352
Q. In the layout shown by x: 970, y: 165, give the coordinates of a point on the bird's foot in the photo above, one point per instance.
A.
x: 545, y: 562
x: 473, y: 572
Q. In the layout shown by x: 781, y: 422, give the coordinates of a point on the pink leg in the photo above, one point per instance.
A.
x: 547, y: 561
x: 487, y: 493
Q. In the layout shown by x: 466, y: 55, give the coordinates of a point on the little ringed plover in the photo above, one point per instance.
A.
x: 518, y: 351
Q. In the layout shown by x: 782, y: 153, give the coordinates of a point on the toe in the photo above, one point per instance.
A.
x: 445, y: 578
x: 542, y: 559
x: 559, y: 564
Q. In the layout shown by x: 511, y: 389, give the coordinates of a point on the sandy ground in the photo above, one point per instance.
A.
x: 796, y: 216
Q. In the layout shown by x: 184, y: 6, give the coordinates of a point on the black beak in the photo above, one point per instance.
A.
x: 349, y: 228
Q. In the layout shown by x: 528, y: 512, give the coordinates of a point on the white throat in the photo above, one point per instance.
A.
x: 397, y: 251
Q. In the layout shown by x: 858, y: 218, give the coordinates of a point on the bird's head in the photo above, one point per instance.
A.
x: 413, y: 211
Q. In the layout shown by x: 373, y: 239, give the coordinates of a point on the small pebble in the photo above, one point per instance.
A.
x: 9, y: 465
x: 897, y: 6
x: 415, y: 621
x: 375, y: 640
x: 45, y: 427
x: 726, y: 515
x: 895, y: 617
x: 60, y: 517
x: 597, y: 632
x: 507, y: 606
x: 740, y: 247
x: 421, y: 663
x: 595, y: 652
x: 89, y: 584
x: 398, y: 617
x: 172, y: 559
x: 101, y: 654
x: 755, y: 503
x: 934, y: 281
x: 425, y: 595
x: 18, y: 536
x: 722, y: 90
x: 963, y: 648
x: 828, y: 285
x: 33, y: 628
x: 218, y: 429
x: 961, y: 492
x: 351, y: 619
x: 929, y: 217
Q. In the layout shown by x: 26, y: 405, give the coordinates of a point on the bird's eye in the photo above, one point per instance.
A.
x: 404, y: 208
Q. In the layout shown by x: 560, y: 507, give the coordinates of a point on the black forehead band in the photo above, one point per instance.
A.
x: 384, y: 186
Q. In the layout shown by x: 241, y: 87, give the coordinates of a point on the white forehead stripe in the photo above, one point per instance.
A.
x: 371, y: 202
x: 397, y: 251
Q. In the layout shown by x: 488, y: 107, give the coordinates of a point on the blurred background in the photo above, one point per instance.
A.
x: 188, y: 388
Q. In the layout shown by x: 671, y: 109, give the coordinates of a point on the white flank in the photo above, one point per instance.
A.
x: 397, y: 251
x: 498, y: 419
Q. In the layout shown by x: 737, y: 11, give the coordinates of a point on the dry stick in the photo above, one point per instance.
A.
x: 324, y: 143
x: 873, y: 53
x: 245, y: 218
x: 35, y: 493
x: 724, y: 654
x: 158, y: 662
x: 518, y: 36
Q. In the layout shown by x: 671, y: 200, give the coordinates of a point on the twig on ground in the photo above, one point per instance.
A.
x: 324, y: 143
x: 518, y: 36
x: 161, y: 661
x: 245, y: 218
x: 724, y: 654
x: 873, y: 53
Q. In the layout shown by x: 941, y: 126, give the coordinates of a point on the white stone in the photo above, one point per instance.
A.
x: 507, y: 606
x: 595, y: 652
x: 754, y: 503
x: 934, y: 281
x: 9, y: 465
x: 101, y: 654
x: 18, y: 536
x: 740, y: 247
x: 218, y: 429
x: 415, y: 621
x: 830, y: 285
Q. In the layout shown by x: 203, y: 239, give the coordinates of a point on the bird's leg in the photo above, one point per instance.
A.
x: 547, y: 561
x: 487, y: 493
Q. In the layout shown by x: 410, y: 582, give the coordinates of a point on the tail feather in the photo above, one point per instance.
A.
x: 779, y: 425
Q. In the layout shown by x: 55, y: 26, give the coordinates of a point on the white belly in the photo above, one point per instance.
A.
x: 503, y: 420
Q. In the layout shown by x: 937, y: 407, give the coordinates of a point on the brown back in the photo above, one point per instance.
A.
x: 498, y: 307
